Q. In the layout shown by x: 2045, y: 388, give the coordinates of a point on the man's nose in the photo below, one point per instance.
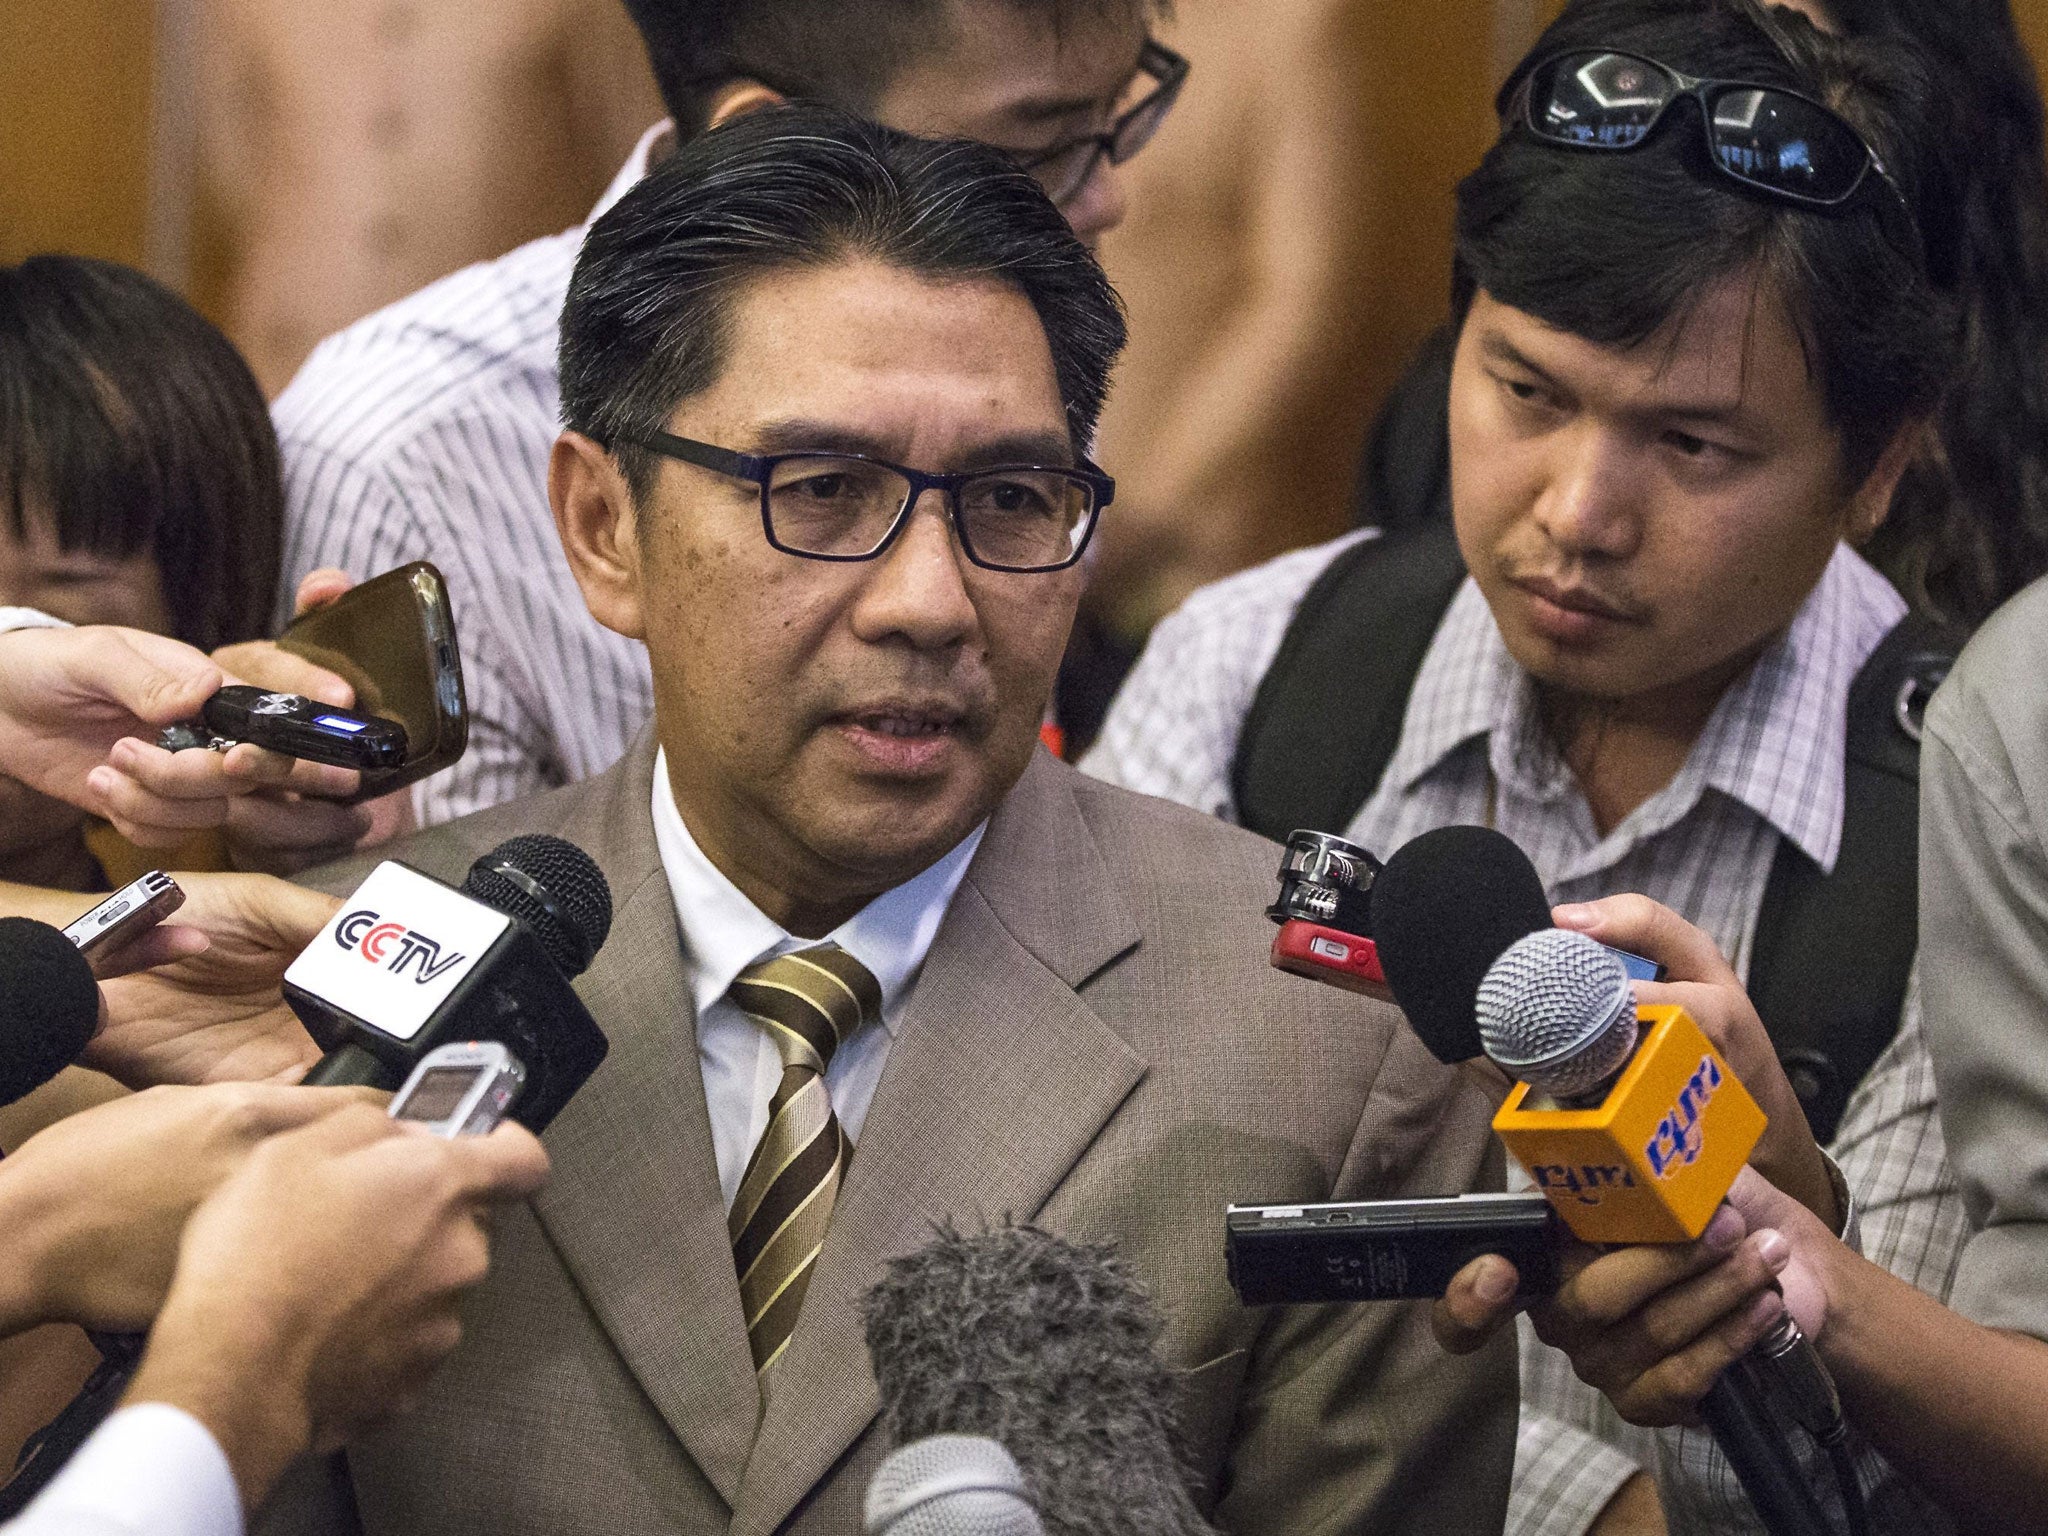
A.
x: 918, y: 589
x: 1591, y: 500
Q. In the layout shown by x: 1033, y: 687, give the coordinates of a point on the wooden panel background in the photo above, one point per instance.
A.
x: 75, y: 132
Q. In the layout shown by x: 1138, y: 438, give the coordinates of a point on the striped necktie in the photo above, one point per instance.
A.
x: 810, y: 1002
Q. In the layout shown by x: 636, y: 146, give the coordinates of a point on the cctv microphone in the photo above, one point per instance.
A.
x: 1045, y: 1347
x: 950, y: 1485
x: 409, y: 964
x: 49, y: 1005
x: 1634, y: 1127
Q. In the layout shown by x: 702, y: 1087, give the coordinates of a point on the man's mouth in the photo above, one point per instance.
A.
x: 902, y: 738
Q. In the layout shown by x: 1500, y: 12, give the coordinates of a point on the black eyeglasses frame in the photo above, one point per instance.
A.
x: 1516, y: 104
x: 759, y: 468
x: 1170, y: 70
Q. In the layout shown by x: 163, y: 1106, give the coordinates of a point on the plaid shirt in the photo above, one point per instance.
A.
x: 1473, y: 749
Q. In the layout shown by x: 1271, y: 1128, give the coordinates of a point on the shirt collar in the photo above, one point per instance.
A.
x: 724, y: 933
x: 1777, y: 742
x: 634, y: 169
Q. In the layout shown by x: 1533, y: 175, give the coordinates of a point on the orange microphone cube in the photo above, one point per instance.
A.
x: 1652, y: 1162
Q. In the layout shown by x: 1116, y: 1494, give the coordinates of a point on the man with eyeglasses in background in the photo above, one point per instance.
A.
x: 423, y: 431
x: 1699, y: 338
x: 880, y: 962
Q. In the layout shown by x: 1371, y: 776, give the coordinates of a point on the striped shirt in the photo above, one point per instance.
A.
x: 422, y: 433
x: 1473, y: 749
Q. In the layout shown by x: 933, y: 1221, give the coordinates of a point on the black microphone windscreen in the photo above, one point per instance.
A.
x: 1447, y: 905
x: 553, y: 887
x: 49, y: 1005
x: 1047, y: 1348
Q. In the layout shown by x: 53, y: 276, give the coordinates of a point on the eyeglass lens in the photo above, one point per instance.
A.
x: 1067, y: 170
x: 1769, y: 138
x: 1017, y: 519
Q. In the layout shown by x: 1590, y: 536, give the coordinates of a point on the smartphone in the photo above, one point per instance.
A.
x: 1385, y: 1250
x: 136, y: 907
x: 392, y: 639
x: 462, y: 1089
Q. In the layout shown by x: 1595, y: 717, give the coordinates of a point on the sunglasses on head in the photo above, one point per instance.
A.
x: 1770, y: 139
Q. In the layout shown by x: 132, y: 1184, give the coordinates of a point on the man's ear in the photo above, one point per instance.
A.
x: 600, y: 528
x: 1872, y: 503
x: 736, y: 98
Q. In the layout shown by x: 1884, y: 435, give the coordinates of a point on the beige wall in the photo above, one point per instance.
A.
x: 74, y: 127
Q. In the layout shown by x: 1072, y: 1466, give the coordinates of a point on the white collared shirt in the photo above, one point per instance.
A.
x: 150, y: 1470
x: 724, y: 933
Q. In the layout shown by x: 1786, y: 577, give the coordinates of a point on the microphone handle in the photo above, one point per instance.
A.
x: 1755, y: 1447
x: 350, y: 1066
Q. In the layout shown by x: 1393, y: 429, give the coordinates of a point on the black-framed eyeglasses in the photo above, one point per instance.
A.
x: 1773, y: 140
x: 847, y: 506
x: 1065, y: 168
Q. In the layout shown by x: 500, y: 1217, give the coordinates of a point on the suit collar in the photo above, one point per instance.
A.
x: 999, y: 1079
x: 634, y: 1207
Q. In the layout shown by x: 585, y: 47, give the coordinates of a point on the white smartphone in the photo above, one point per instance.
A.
x: 462, y: 1089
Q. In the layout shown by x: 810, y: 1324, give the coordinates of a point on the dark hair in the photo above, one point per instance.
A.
x: 1969, y: 526
x: 137, y: 427
x: 1611, y: 247
x: 832, y: 51
x: 806, y: 186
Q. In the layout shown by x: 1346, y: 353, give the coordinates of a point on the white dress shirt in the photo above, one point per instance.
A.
x: 724, y: 933
x: 422, y: 432
x: 150, y: 1470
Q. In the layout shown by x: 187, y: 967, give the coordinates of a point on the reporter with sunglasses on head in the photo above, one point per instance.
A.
x: 1703, y: 321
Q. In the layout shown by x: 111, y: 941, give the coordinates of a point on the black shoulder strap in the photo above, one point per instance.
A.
x: 1328, y: 713
x: 1833, y: 952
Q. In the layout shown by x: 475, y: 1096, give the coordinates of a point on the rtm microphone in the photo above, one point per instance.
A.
x: 1626, y: 1117
x: 1632, y: 1124
x: 950, y: 1485
x: 409, y: 964
x: 49, y: 1005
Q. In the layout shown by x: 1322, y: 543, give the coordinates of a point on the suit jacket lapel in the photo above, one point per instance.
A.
x: 997, y: 1081
x: 634, y: 1207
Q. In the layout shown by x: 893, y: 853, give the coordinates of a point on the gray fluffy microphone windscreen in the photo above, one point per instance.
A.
x: 950, y: 1485
x: 1046, y: 1347
x: 1557, y: 1011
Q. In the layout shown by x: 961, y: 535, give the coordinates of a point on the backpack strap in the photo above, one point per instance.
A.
x: 1327, y: 717
x: 1833, y: 952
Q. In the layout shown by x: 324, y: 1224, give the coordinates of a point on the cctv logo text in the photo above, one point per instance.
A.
x: 393, y: 947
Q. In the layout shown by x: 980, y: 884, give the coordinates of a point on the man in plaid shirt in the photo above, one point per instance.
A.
x: 1682, y: 394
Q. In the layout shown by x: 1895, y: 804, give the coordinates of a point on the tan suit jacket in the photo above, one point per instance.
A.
x: 1096, y: 1044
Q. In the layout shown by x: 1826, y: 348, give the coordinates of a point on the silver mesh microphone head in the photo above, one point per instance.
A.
x: 1557, y: 1011
x: 951, y: 1485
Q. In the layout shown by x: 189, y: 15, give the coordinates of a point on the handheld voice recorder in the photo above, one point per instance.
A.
x: 294, y: 725
x: 1386, y: 1250
x: 462, y: 1089
x: 136, y: 907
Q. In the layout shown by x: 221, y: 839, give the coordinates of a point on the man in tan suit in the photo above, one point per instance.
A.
x: 828, y: 389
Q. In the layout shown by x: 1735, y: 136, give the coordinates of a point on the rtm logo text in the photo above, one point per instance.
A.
x: 393, y: 946
x: 1587, y: 1182
x: 1677, y: 1139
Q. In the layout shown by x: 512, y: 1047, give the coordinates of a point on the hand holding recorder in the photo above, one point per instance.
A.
x: 319, y: 1286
